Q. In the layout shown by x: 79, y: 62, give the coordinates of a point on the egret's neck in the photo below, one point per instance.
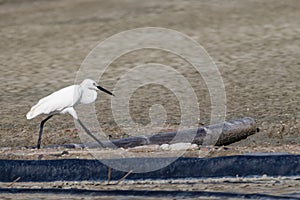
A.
x: 88, y: 96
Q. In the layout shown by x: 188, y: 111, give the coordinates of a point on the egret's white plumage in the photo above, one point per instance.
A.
x: 57, y: 102
x: 64, y: 100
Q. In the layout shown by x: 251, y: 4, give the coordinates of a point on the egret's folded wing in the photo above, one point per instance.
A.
x: 56, y: 102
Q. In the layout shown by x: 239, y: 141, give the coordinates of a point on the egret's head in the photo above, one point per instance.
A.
x: 92, y: 85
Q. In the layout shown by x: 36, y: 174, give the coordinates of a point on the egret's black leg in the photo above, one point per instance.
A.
x: 41, y: 131
x: 89, y: 133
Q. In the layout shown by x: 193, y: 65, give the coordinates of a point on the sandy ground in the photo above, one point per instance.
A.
x: 255, y: 44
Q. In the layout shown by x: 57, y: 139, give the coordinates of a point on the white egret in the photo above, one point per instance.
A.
x: 63, y: 101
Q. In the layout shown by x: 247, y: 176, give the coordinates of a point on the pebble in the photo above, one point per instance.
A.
x: 35, y: 187
x: 179, y: 146
x: 165, y: 147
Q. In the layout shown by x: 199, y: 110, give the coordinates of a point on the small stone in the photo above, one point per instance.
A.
x: 165, y: 147
x: 194, y: 147
x: 264, y: 176
x: 35, y: 187
x: 180, y: 146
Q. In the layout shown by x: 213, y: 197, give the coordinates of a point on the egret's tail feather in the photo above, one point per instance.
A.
x: 31, y: 114
x: 34, y: 111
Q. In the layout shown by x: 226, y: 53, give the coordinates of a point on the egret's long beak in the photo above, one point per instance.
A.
x: 105, y: 90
